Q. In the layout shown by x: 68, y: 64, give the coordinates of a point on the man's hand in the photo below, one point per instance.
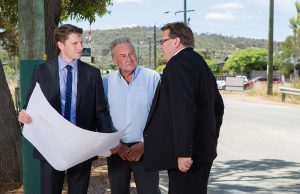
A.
x: 115, y: 149
x: 184, y: 163
x: 24, y: 117
x: 136, y: 151
x: 123, y: 151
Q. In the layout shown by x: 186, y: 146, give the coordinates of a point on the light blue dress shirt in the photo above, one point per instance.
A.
x: 129, y: 104
x: 62, y: 85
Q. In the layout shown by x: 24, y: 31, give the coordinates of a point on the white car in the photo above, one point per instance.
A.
x: 221, y: 84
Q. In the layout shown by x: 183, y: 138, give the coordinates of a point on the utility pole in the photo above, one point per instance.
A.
x: 149, y: 42
x: 184, y: 12
x: 138, y: 55
x: 154, y: 45
x: 31, y: 53
x: 270, y: 55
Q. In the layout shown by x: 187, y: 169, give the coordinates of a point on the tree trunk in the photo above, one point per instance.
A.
x: 52, y: 15
x: 10, y: 137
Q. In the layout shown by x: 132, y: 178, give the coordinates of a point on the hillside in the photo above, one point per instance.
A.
x: 220, y: 46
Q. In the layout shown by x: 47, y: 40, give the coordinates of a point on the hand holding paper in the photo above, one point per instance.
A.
x: 61, y: 143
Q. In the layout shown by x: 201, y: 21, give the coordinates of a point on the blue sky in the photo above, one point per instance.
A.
x: 244, y: 18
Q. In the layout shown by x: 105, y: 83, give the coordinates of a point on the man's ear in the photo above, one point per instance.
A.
x: 60, y: 45
x: 177, y: 42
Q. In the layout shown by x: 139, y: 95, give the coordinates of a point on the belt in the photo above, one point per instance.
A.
x: 129, y: 144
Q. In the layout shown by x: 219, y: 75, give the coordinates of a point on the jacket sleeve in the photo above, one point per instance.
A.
x: 103, y: 119
x: 219, y: 111
x: 33, y: 81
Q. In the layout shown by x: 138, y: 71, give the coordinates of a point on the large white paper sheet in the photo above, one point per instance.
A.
x: 61, y: 143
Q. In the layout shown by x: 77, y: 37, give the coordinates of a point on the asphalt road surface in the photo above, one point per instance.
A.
x: 259, y: 148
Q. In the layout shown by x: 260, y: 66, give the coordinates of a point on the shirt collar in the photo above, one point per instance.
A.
x: 134, y: 74
x: 179, y: 51
x: 62, y: 63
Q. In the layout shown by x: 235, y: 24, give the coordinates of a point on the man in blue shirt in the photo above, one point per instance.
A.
x: 129, y: 92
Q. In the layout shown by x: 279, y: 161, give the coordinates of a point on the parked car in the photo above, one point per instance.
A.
x: 221, y: 84
x: 250, y: 83
x: 243, y: 76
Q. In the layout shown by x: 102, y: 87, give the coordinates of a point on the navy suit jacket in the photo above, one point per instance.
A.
x: 185, y: 116
x: 91, y: 107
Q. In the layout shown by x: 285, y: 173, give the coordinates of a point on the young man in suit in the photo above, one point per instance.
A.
x: 74, y: 89
x: 183, y: 126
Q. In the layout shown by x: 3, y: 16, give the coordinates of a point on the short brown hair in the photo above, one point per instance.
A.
x: 62, y: 32
x: 181, y: 30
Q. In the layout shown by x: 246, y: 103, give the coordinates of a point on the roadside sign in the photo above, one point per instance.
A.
x: 235, y: 84
x: 86, y: 55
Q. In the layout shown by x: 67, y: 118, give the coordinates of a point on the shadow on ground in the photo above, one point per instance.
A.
x: 263, y: 176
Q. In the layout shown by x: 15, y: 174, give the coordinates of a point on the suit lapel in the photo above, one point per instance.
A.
x: 54, y: 75
x: 80, y: 82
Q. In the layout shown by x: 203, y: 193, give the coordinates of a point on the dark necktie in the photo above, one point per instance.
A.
x: 68, y: 93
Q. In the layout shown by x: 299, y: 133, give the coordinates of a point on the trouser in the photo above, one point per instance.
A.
x: 119, y: 173
x: 194, y: 181
x: 52, y: 180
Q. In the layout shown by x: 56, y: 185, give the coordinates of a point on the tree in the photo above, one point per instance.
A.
x: 59, y: 10
x: 55, y: 11
x: 295, y: 26
x: 246, y: 60
x: 8, y: 26
x: 10, y: 141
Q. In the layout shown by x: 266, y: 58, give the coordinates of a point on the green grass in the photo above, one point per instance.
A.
x: 260, y: 89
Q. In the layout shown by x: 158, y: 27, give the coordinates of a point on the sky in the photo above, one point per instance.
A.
x: 236, y: 18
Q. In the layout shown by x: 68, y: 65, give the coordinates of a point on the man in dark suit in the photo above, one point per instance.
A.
x: 74, y: 89
x: 183, y: 126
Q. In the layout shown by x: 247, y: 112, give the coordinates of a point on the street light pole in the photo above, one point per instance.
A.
x: 184, y: 10
x: 270, y: 53
x: 154, y: 46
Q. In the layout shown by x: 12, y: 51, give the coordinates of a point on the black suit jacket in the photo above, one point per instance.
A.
x: 186, y: 114
x: 91, y: 108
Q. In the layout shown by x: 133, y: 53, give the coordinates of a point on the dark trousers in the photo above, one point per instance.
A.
x: 119, y: 173
x: 78, y: 178
x: 194, y: 181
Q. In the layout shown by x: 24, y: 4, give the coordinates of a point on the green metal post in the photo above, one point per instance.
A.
x: 32, y: 49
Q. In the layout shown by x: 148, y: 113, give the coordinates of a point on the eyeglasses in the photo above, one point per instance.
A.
x: 161, y: 42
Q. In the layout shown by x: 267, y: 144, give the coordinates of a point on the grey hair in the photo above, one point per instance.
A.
x: 123, y: 40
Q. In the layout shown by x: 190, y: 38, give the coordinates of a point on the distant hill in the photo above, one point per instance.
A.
x: 221, y: 46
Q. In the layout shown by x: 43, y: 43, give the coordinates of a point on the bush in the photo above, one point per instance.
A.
x: 9, y: 72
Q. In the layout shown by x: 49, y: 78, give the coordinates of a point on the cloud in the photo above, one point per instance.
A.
x: 219, y: 16
x: 127, y: 1
x: 230, y: 5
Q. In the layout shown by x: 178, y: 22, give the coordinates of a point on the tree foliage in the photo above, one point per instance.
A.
x: 84, y: 9
x: 55, y: 12
x: 8, y: 26
x: 243, y: 61
x: 290, y: 49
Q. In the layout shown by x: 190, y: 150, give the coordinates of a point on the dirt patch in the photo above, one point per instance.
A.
x: 98, y: 184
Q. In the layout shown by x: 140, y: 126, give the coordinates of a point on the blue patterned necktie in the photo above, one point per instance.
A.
x: 68, y: 93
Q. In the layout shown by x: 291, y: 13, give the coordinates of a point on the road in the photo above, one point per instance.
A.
x: 259, y: 149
